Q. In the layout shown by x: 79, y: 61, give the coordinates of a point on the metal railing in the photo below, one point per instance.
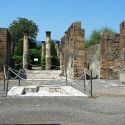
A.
x: 8, y: 70
x: 84, y: 80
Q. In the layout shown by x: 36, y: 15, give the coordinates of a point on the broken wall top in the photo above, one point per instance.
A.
x: 122, y: 27
x: 110, y: 36
x: 73, y: 30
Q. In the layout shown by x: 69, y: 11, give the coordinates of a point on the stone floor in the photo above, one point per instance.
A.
x: 107, y: 107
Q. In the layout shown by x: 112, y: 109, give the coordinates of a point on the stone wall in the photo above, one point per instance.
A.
x: 110, y: 53
x: 5, y: 49
x: 122, y: 52
x: 72, y: 51
x: 93, y: 59
x: 122, y: 42
x: 107, y: 60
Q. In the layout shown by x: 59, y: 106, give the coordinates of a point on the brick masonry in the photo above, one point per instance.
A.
x: 107, y: 60
x: 5, y: 49
x: 109, y: 55
x: 72, y: 51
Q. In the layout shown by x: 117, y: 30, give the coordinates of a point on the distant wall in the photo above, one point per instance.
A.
x: 5, y: 48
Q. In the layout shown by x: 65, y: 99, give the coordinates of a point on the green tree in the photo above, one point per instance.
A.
x: 23, y: 28
x: 54, y: 59
x: 34, y: 53
x: 95, y: 36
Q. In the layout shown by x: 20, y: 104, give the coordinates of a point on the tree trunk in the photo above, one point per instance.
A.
x: 25, y: 52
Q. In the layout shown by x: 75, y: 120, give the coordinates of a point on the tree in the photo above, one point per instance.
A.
x: 54, y: 59
x: 34, y: 53
x: 17, y: 57
x: 23, y: 28
x: 95, y: 37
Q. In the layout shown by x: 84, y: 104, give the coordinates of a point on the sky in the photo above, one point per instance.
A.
x: 57, y: 15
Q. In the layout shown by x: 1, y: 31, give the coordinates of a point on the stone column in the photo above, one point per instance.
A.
x: 43, y: 49
x: 57, y: 50
x: 61, y: 60
x: 25, y: 52
x: 48, y: 50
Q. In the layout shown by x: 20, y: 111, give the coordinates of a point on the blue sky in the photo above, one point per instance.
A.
x: 57, y: 15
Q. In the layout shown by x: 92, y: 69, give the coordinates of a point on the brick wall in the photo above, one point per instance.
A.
x: 72, y: 47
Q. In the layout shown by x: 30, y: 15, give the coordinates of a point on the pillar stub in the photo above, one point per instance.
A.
x: 48, y: 33
x: 42, y: 42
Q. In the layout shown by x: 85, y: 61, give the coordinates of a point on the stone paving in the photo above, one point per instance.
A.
x: 107, y: 107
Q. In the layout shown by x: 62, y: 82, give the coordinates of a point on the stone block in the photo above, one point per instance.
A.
x: 122, y: 76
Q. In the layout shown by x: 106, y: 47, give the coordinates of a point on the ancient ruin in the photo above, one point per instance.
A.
x: 93, y: 59
x: 107, y: 59
x: 43, y: 48
x: 25, y: 51
x: 109, y: 55
x: 57, y: 46
x: 48, y: 50
x: 72, y: 57
x: 5, y: 49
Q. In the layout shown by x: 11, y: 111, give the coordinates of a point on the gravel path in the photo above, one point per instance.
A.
x: 107, y: 107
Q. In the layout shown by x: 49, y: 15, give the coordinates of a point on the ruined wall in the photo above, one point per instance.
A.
x: 122, y: 52
x: 93, y: 59
x: 110, y: 55
x: 122, y: 46
x: 5, y: 49
x: 72, y: 49
x: 107, y: 60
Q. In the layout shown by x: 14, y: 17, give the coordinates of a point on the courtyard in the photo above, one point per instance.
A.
x: 107, y: 107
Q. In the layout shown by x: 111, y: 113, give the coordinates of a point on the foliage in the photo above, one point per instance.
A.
x: 17, y: 61
x: 34, y: 53
x: 17, y: 29
x: 54, y: 59
x: 95, y: 37
x: 32, y: 44
x: 23, y: 26
x: 19, y: 48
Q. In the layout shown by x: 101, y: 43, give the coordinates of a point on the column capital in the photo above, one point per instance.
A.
x: 48, y: 33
